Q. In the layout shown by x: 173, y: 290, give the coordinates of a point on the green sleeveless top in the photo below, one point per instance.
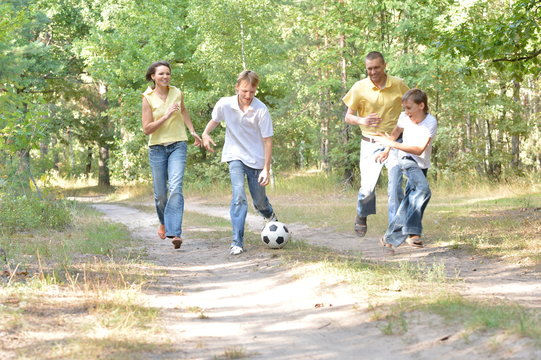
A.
x: 173, y: 129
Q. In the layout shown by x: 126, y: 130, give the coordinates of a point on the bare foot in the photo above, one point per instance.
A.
x: 161, y: 231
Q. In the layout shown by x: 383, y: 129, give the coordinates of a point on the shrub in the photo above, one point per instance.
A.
x: 22, y: 213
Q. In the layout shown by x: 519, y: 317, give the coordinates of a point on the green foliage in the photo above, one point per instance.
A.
x: 72, y: 74
x: 26, y: 213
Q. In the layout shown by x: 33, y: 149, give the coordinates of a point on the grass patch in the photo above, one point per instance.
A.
x: 487, y: 315
x: 122, y: 311
x: 30, y: 212
x: 204, y: 221
x: 502, y: 228
x: 235, y: 352
x: 78, y: 293
x: 197, y: 310
x: 470, y: 314
x: 88, y: 235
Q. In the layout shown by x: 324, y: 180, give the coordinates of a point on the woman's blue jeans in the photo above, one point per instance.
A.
x: 409, y: 217
x: 168, y: 164
x: 239, y: 204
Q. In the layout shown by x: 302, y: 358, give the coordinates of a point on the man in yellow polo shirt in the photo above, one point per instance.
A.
x: 374, y: 104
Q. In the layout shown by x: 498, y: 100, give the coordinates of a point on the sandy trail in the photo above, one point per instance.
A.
x: 213, y: 303
x: 479, y: 277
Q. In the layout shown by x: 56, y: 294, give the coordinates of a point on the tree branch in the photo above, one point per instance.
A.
x: 520, y: 58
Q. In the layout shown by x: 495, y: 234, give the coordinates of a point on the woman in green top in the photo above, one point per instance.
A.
x: 165, y: 119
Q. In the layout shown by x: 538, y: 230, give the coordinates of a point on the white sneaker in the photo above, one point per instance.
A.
x: 236, y: 250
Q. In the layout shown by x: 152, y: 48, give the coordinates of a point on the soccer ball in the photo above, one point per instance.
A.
x: 275, y: 235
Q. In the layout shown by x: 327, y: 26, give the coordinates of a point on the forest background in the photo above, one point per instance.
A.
x: 72, y: 74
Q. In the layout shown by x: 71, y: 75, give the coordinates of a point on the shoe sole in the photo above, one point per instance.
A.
x: 177, y: 243
x: 360, y: 230
x: 236, y: 253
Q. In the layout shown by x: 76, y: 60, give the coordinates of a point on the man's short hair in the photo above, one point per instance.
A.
x: 373, y: 55
x: 248, y: 76
x: 417, y: 96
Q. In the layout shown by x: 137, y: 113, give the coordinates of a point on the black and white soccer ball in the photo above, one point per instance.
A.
x: 275, y: 235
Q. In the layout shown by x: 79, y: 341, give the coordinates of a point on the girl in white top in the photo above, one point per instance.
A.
x: 418, y: 129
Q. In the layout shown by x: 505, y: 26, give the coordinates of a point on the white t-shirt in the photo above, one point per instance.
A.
x: 415, y: 134
x: 244, y: 131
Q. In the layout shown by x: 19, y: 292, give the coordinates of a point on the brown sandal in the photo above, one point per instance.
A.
x: 161, y: 231
x: 415, y: 241
x: 177, y: 242
x: 388, y: 248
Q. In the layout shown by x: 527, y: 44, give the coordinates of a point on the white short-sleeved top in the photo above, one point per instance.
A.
x: 244, y: 130
x: 415, y: 134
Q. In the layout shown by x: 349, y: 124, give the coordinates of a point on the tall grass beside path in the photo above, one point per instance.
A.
x: 76, y: 292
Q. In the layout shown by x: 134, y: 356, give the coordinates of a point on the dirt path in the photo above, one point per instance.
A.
x: 213, y: 303
x: 479, y: 277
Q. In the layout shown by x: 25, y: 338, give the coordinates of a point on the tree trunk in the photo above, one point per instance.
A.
x: 467, y: 143
x: 103, y: 161
x: 71, y: 154
x: 515, y: 138
x: 43, y: 150
x: 25, y: 172
x: 22, y: 170
x: 103, y: 168
x: 323, y: 114
x: 493, y: 168
x: 346, y: 129
x: 88, y: 167
x: 56, y: 157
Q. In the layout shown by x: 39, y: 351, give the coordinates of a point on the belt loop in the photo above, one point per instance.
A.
x: 370, y: 140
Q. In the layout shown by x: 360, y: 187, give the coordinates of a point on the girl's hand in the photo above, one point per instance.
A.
x: 382, y: 156
x: 384, y: 139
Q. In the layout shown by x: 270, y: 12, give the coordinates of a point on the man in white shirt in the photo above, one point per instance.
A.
x: 247, y: 150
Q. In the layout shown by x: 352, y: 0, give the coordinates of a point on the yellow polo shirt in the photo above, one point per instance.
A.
x: 366, y: 98
x: 173, y: 129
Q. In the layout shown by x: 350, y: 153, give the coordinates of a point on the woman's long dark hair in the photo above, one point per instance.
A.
x: 152, y: 69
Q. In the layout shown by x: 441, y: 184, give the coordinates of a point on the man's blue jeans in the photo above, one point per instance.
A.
x: 239, y: 204
x: 409, y: 217
x: 370, y: 171
x: 168, y: 164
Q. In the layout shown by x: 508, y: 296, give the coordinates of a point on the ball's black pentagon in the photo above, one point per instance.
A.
x: 286, y: 230
x: 273, y: 227
x: 280, y: 240
x: 266, y: 239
